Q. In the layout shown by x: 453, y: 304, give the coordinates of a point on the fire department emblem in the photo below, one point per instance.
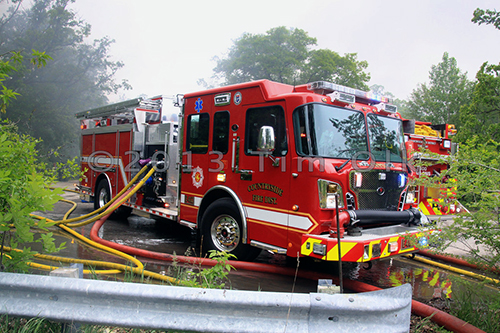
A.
x: 197, y: 177
x: 237, y: 98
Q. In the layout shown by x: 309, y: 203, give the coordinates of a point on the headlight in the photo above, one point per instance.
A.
x: 327, y: 191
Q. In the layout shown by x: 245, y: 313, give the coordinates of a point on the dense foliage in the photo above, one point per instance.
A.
x: 285, y: 55
x: 474, y: 175
x: 23, y: 190
x: 487, y: 16
x: 482, y: 116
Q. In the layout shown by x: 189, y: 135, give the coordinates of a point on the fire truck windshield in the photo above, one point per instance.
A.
x: 330, y: 131
x: 386, y: 138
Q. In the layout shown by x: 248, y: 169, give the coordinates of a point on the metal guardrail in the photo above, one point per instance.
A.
x: 201, y: 310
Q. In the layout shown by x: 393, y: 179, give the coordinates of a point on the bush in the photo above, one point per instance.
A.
x: 23, y: 190
x: 474, y: 175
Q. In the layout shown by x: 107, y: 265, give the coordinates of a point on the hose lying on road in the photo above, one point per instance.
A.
x: 457, y: 261
x: 454, y: 269
x: 440, y: 317
x: 103, y: 213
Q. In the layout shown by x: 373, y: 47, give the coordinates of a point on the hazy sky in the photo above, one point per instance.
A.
x: 168, y: 45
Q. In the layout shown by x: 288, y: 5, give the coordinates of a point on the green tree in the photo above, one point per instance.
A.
x: 440, y: 100
x: 285, y: 55
x: 8, y: 64
x: 23, y: 178
x: 329, y: 66
x: 482, y: 16
x: 80, y: 76
x: 482, y: 116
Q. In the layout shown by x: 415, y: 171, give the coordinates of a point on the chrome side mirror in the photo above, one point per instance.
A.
x: 266, y: 142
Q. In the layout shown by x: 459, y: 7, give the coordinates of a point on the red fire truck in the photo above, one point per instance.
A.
x: 421, y: 138
x: 262, y: 165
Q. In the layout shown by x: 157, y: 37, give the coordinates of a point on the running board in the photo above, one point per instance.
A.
x: 268, y: 247
x: 162, y: 212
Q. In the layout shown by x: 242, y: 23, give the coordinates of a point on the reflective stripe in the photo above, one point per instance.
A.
x: 353, y: 251
x: 279, y: 218
x: 345, y: 248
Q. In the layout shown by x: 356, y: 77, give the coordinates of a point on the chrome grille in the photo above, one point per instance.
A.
x: 379, y: 189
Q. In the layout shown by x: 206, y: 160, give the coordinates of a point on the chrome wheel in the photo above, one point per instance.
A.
x: 225, y: 233
x: 222, y: 230
x: 103, y: 197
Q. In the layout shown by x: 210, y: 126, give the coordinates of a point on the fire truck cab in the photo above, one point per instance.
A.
x: 263, y: 165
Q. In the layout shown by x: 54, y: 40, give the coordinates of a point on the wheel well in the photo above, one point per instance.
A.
x: 208, y: 199
x: 218, y: 193
x: 98, y: 180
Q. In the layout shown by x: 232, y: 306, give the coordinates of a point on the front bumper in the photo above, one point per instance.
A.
x: 376, y: 243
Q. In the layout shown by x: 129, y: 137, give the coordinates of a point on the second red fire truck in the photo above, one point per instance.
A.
x: 422, y: 140
x: 262, y: 165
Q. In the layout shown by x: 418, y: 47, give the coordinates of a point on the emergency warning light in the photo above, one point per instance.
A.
x: 343, y: 97
x: 402, y: 180
x: 325, y: 88
x: 389, y: 108
x: 446, y: 144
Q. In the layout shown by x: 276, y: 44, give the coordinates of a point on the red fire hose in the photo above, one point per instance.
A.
x: 457, y: 261
x: 439, y: 317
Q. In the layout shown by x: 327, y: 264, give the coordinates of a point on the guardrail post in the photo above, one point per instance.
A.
x: 74, y: 271
x: 325, y: 286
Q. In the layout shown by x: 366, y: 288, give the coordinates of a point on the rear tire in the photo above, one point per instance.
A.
x: 103, y: 196
x: 222, y: 230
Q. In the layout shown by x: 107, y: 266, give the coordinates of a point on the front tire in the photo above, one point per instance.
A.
x: 222, y: 230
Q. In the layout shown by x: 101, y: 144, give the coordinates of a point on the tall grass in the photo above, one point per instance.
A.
x: 41, y: 325
x: 477, y: 305
x: 22, y: 325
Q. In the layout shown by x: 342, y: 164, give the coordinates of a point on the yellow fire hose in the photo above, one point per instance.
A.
x: 103, y: 211
x: 453, y: 269
x: 115, y: 268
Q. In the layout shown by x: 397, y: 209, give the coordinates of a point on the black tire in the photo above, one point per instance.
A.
x: 103, y: 196
x: 222, y: 230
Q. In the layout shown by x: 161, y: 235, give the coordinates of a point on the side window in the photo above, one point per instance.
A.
x: 197, y: 133
x: 267, y: 116
x: 301, y: 128
x: 221, y: 132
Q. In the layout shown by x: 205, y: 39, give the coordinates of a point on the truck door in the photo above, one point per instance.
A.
x: 195, y: 164
x: 264, y: 180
